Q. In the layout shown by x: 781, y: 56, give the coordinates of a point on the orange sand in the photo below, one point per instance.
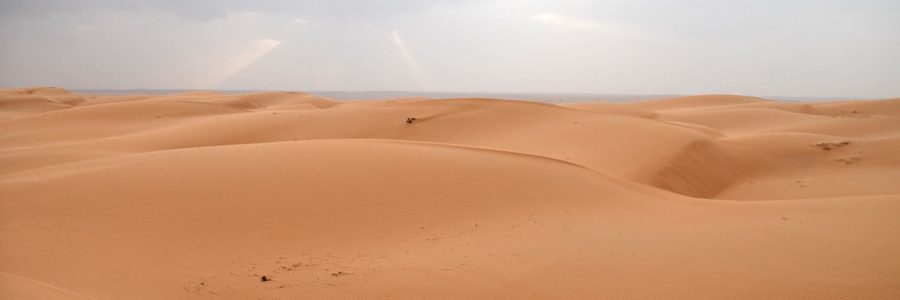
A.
x: 198, y: 195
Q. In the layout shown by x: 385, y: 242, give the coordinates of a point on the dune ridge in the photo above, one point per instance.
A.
x: 199, y: 195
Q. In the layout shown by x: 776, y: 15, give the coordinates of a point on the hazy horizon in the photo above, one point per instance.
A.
x: 803, y: 49
x: 558, y: 98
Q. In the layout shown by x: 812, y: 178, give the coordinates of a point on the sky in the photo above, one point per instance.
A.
x: 791, y: 48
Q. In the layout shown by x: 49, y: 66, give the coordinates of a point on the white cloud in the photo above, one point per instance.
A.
x: 607, y: 27
x: 547, y: 18
x: 301, y: 21
x: 566, y: 21
x: 266, y: 43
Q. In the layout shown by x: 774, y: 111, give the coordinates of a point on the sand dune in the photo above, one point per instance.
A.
x: 695, y: 102
x: 200, y: 195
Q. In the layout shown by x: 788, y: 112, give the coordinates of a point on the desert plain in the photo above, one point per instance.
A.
x: 286, y: 195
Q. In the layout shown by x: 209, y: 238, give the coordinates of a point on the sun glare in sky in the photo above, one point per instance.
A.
x: 241, y: 60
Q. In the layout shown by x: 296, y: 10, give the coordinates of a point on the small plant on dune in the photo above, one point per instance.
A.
x: 410, y: 120
x: 829, y: 146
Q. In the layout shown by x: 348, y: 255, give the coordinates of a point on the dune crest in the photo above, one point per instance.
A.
x: 291, y: 195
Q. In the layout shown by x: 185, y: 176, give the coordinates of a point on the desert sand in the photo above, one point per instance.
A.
x: 200, y: 195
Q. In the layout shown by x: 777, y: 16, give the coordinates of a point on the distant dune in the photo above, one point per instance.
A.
x: 295, y: 196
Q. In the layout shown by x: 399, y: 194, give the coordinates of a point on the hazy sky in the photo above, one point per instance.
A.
x: 837, y: 48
